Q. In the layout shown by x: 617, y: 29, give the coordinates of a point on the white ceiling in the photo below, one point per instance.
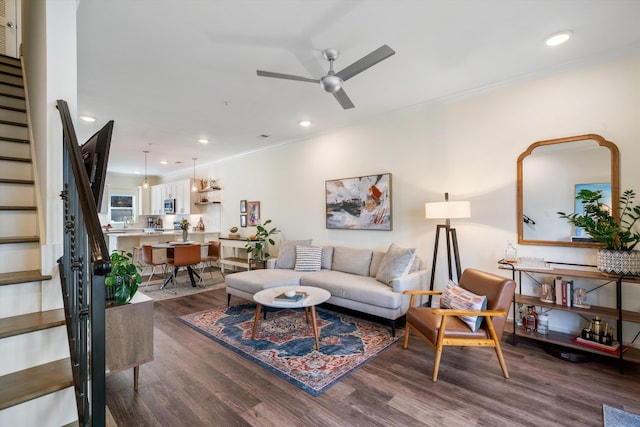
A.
x: 171, y: 72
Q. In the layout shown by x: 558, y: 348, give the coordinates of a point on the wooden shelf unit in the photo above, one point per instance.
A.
x: 563, y: 339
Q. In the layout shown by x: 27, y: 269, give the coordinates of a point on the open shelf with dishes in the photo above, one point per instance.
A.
x: 567, y: 340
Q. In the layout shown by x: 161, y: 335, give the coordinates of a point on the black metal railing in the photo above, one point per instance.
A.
x: 83, y: 267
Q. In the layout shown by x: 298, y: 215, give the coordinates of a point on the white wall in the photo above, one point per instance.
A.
x: 467, y: 147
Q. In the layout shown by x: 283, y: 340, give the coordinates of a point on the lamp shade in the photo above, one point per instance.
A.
x: 447, y: 210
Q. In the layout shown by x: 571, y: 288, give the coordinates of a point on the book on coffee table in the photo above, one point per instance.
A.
x: 297, y: 297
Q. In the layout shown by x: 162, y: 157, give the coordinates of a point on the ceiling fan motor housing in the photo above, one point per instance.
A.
x: 331, y: 83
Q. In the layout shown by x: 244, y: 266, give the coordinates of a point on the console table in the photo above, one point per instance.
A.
x: 237, y: 247
x: 563, y: 339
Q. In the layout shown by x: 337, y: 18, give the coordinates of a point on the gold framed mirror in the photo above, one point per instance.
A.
x: 549, y: 175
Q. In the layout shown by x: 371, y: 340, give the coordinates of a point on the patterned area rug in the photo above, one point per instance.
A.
x: 285, y: 344
x: 614, y: 417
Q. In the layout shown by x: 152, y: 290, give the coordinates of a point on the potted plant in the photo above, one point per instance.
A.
x: 616, y: 234
x: 258, y: 243
x: 124, y: 276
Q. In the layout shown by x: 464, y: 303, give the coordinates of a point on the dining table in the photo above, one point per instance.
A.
x: 169, y: 246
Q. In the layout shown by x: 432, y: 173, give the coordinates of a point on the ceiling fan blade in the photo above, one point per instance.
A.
x: 367, y: 61
x: 343, y: 99
x: 286, y: 76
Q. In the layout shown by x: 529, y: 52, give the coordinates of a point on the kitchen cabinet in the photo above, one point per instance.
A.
x: 144, y: 201
x: 156, y: 202
x: 598, y: 280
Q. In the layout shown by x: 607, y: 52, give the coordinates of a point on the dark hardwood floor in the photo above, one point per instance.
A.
x: 194, y: 381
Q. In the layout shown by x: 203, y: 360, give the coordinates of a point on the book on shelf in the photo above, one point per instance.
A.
x: 614, y: 348
x: 296, y: 298
x: 557, y: 284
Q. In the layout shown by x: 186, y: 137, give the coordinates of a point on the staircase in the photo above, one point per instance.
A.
x: 36, y: 382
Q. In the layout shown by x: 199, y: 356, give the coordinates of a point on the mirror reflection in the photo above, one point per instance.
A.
x: 549, y: 175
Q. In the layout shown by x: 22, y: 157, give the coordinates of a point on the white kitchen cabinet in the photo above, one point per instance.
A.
x: 144, y: 201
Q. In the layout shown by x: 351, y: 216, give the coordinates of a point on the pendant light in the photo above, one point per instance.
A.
x: 145, y: 184
x: 194, y: 187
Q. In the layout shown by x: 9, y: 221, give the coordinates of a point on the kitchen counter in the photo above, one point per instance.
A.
x: 127, y: 240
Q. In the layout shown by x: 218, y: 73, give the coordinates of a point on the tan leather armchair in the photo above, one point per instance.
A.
x: 441, y: 327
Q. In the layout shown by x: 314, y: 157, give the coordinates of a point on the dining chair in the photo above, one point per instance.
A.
x: 185, y: 256
x: 477, y: 315
x: 212, y: 257
x: 151, y: 257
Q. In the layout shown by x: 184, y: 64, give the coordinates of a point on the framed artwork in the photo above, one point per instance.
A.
x: 243, y: 220
x: 243, y: 206
x: 253, y: 213
x: 360, y: 203
x: 605, y: 202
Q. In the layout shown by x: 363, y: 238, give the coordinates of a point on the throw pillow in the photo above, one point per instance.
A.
x: 308, y: 258
x: 287, y: 252
x: 455, y: 297
x: 351, y: 260
x: 327, y: 257
x: 396, y: 263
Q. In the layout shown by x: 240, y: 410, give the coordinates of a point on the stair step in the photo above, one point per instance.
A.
x: 10, y: 69
x: 12, y: 108
x: 13, y: 123
x: 15, y: 159
x: 16, y: 181
x: 19, y: 239
x: 11, y: 61
x: 22, y: 386
x: 18, y: 208
x: 22, y: 277
x: 12, y: 95
x: 16, y: 140
x: 10, y: 79
x: 23, y: 324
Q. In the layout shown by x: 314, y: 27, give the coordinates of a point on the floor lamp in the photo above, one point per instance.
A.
x: 446, y: 210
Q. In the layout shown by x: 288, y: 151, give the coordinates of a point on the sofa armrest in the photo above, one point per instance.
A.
x: 409, y: 282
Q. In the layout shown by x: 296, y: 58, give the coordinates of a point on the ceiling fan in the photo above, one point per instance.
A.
x: 332, y: 82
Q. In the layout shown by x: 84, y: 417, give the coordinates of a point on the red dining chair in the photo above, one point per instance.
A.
x: 185, y: 256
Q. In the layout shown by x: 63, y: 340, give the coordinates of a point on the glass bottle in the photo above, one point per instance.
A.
x: 530, y: 320
x: 543, y: 323
x: 520, y: 316
x: 510, y: 253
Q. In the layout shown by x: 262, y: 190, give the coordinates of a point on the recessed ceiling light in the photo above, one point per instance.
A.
x: 88, y: 119
x: 164, y: 162
x: 305, y: 123
x: 203, y: 141
x: 558, y: 38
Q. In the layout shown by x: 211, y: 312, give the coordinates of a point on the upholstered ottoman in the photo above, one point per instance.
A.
x: 247, y: 283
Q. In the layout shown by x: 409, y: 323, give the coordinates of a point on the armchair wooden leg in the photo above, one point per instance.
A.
x: 439, y: 345
x: 494, y: 337
x: 405, y: 343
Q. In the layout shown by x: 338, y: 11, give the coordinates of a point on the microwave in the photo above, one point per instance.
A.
x: 169, y: 206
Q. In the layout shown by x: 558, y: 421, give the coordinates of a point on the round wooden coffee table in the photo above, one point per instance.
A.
x: 267, y: 298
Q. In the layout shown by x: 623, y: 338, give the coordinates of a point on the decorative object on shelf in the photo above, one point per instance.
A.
x: 213, y: 183
x: 124, y: 276
x: 361, y: 203
x: 253, y: 209
x: 547, y: 294
x: 184, y: 226
x: 615, y: 233
x: 258, y: 249
x: 599, y: 332
x: 446, y: 210
x: 580, y: 298
x: 510, y: 253
x: 233, y: 233
x: 543, y: 323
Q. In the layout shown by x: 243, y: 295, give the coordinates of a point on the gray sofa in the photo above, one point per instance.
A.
x: 364, y: 280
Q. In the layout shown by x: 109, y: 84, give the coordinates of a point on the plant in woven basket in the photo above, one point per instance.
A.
x: 615, y: 234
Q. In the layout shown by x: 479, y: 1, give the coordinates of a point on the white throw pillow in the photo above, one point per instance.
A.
x: 396, y: 263
x: 308, y: 258
x: 457, y: 298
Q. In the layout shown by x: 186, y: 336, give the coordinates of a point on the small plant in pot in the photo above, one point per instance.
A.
x: 263, y: 237
x: 124, y: 276
x: 616, y: 234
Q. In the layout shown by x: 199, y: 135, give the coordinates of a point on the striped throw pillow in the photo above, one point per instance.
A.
x: 455, y: 297
x: 308, y: 258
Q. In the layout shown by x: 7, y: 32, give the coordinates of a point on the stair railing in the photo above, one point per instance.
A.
x: 83, y: 267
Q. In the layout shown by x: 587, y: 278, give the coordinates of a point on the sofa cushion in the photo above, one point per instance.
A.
x: 257, y: 280
x: 363, y: 289
x: 308, y: 258
x: 349, y: 260
x: 458, y: 298
x: 376, y: 259
x: 327, y: 257
x: 287, y: 252
x: 396, y: 263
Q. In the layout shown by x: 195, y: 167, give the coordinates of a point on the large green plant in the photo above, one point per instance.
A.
x: 124, y: 276
x: 263, y: 236
x: 602, y: 226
